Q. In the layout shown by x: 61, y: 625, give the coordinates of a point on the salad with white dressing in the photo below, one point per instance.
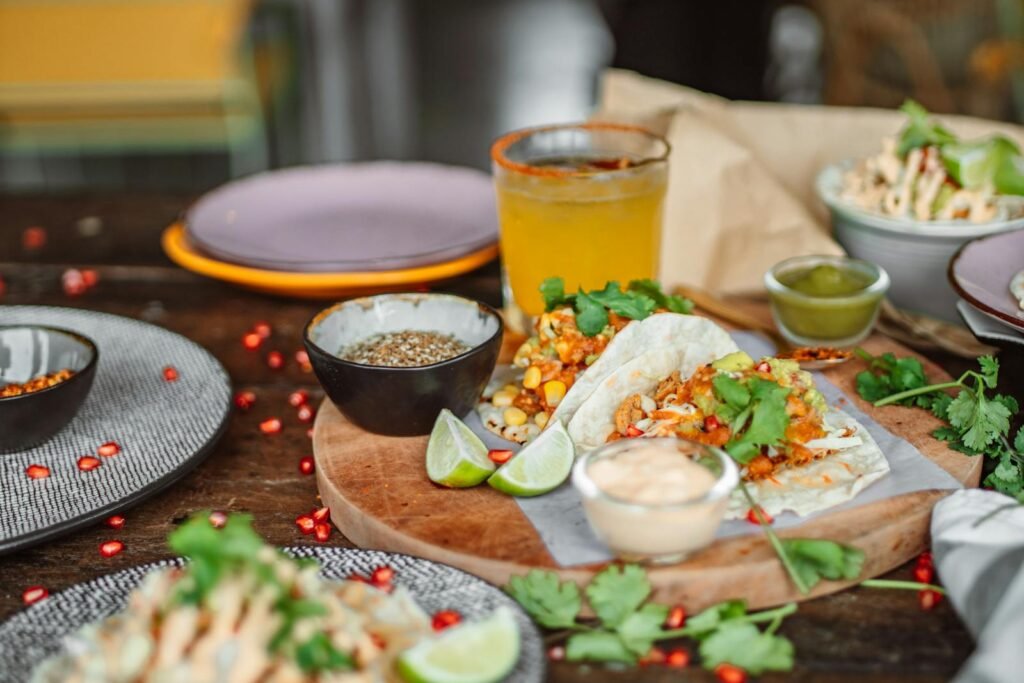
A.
x: 241, y: 611
x: 928, y: 174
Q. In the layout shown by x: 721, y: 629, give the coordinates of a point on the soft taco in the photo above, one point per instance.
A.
x: 795, y: 453
x: 577, y: 343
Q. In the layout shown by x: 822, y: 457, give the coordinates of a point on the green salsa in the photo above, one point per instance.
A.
x: 826, y: 303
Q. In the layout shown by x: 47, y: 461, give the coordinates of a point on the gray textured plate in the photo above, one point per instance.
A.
x: 36, y: 632
x: 164, y: 428
x: 339, y: 218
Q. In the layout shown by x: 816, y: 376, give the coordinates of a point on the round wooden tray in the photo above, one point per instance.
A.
x: 380, y: 497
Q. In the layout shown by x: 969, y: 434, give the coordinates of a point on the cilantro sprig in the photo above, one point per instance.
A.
x: 628, y: 625
x: 756, y: 412
x: 978, y: 419
x: 639, y: 300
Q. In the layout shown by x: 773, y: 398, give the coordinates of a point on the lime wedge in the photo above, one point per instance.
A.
x: 974, y: 164
x: 540, y: 466
x: 476, y: 652
x: 456, y: 456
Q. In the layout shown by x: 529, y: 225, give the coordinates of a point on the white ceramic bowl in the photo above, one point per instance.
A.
x: 915, y: 253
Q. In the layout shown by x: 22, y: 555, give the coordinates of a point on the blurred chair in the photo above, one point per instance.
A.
x: 117, y: 77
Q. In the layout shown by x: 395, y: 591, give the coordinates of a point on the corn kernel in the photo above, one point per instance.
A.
x: 541, y: 419
x: 554, y: 392
x: 511, y: 388
x: 514, y: 417
x: 531, y: 380
x: 502, y: 398
x: 562, y: 348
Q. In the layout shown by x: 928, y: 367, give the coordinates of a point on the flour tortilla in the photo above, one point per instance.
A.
x: 822, y: 484
x: 663, y: 333
x: 595, y: 419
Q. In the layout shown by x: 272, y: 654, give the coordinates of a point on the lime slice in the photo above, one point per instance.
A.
x: 456, y: 456
x: 477, y: 652
x: 974, y: 164
x: 539, y: 467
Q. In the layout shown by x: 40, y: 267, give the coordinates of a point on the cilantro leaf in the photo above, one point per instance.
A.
x: 591, y: 316
x: 768, y: 420
x: 1009, y: 402
x: 742, y: 644
x: 632, y: 305
x: 921, y: 130
x: 616, y: 593
x: 318, y: 654
x: 553, y: 291
x: 652, y: 289
x: 549, y: 602
x: 640, y: 629
x: 817, y: 559
x: 980, y: 420
x: 989, y: 370
x: 731, y: 392
x: 1018, y: 441
x: 597, y: 646
x: 940, y: 405
x: 1006, y: 477
x: 706, y: 622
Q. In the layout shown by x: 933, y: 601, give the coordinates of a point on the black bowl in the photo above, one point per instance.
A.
x: 404, y: 401
x: 26, y: 352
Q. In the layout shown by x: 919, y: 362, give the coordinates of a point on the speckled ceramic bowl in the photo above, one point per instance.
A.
x: 26, y: 352
x: 915, y: 253
x: 404, y: 401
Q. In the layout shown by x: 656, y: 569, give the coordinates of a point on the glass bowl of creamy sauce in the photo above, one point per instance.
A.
x: 655, y: 500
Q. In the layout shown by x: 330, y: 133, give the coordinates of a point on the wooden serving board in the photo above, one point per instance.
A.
x: 380, y: 497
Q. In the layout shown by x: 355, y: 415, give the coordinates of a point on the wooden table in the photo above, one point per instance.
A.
x: 857, y: 635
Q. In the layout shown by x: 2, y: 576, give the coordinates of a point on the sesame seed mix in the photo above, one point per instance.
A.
x: 409, y: 348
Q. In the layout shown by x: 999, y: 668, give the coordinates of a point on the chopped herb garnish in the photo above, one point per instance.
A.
x: 639, y: 300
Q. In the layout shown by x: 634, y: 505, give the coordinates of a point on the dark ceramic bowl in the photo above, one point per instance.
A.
x: 26, y: 352
x: 403, y: 401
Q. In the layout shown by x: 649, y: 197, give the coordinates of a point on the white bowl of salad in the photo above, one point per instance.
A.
x: 910, y: 207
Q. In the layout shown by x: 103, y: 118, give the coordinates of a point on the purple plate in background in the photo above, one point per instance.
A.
x: 337, y: 218
x: 981, y: 271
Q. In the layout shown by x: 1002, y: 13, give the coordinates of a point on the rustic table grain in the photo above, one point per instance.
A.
x: 857, y: 635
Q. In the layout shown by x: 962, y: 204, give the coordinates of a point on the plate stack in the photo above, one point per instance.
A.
x: 987, y: 275
x: 340, y: 230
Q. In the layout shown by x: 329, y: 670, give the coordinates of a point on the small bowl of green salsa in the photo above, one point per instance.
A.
x: 826, y: 300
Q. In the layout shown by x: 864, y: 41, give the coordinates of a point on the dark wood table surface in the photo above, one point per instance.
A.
x: 857, y: 635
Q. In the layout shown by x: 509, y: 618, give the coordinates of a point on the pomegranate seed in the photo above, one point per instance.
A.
x: 925, y: 558
x: 3, y: 287
x: 114, y: 521
x: 275, y: 360
x: 727, y: 673
x: 752, y: 516
x: 309, y: 433
x: 306, y: 524
x: 111, y: 548
x: 322, y: 532
x: 676, y: 618
x: 251, y: 341
x: 218, y: 519
x: 305, y: 414
x: 302, y: 358
x: 382, y: 575
x: 33, y: 594
x: 33, y: 238
x: 306, y: 465
x: 90, y: 277
x: 446, y: 618
x: 72, y: 282
x: 928, y: 599
x: 499, y: 456
x: 556, y: 653
x: 245, y: 400
x: 654, y: 656
x: 763, y: 367
x: 924, y: 573
x: 270, y: 426
x: 633, y: 431
x: 321, y: 514
x: 37, y: 471
x: 88, y: 463
x: 678, y: 659
x: 170, y: 374
x: 108, y: 449
x: 262, y: 329
x: 711, y: 423
x: 298, y: 398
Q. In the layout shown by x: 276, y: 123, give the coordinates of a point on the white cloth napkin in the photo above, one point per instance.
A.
x: 978, y: 544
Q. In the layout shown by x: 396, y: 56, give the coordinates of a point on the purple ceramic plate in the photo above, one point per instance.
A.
x: 981, y: 272
x: 338, y: 218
